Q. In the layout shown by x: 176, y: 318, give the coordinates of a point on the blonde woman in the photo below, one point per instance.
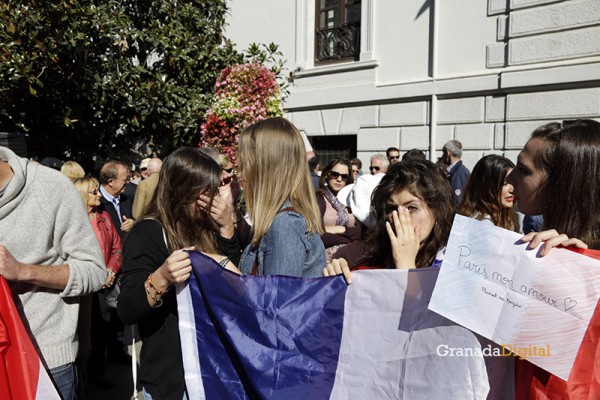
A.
x: 281, y: 202
x: 72, y: 170
x: 96, y: 331
x: 108, y: 237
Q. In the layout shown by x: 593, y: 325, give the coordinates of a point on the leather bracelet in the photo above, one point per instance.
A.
x: 158, y: 301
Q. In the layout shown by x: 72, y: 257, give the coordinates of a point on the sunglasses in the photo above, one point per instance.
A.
x: 336, y: 175
x: 394, y: 157
x: 374, y: 168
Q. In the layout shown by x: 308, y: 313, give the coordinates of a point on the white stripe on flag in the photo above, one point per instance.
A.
x: 390, y: 340
x: 189, y: 344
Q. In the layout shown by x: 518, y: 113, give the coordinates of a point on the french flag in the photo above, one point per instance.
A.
x: 277, y: 337
x: 22, y: 375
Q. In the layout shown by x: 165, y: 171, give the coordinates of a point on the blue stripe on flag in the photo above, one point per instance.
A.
x: 250, y: 344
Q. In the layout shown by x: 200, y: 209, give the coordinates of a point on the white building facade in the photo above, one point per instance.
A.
x: 416, y: 73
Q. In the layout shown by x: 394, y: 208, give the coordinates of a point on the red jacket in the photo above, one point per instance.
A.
x: 110, y: 242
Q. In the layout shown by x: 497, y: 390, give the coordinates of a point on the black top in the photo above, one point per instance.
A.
x: 161, y: 365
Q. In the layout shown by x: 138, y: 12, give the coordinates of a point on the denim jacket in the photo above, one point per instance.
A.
x: 287, y: 249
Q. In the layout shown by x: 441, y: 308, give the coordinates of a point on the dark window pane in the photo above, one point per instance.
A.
x: 353, y: 13
x: 329, y: 3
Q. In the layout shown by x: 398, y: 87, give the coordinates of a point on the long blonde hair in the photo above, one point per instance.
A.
x: 274, y: 167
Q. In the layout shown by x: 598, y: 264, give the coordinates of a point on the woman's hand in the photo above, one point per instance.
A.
x: 110, y: 279
x: 338, y: 266
x: 176, y: 268
x: 551, y: 238
x: 221, y: 211
x: 404, y: 239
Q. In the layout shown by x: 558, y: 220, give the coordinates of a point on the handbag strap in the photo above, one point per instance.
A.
x: 255, y: 265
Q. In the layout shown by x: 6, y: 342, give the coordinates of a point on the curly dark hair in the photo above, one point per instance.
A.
x: 424, y: 180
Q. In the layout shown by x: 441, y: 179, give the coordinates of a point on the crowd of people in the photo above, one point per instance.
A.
x: 102, y: 255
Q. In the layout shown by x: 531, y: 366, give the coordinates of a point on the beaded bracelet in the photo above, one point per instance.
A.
x: 157, y: 301
x: 159, y: 293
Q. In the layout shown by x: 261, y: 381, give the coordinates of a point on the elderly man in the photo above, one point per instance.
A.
x: 379, y: 164
x: 146, y: 188
x: 457, y: 172
x: 50, y: 257
x: 114, y: 176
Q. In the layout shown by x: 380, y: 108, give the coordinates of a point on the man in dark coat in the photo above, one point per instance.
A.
x: 457, y: 172
x: 114, y: 177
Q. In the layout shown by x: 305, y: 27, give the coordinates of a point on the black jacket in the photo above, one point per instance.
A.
x: 126, y: 204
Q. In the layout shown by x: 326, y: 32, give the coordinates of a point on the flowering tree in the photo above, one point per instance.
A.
x: 244, y: 94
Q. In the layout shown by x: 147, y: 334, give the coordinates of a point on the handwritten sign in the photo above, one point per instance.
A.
x: 491, y: 284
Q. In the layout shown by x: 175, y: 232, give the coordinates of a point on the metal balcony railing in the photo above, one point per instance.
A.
x: 338, y: 43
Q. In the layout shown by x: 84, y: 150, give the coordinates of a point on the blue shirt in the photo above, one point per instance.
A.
x: 287, y: 249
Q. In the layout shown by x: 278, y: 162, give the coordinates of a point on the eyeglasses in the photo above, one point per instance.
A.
x: 94, y: 192
x: 374, y: 168
x: 394, y: 157
x: 336, y: 175
x: 228, y: 170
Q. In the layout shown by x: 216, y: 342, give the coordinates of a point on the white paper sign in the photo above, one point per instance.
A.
x: 537, y: 307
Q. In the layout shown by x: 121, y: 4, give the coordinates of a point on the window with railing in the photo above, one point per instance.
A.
x: 337, y: 36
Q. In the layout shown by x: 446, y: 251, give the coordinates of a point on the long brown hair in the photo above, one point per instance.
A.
x: 273, y: 164
x: 483, y: 193
x: 184, y: 175
x: 574, y: 183
x: 424, y: 180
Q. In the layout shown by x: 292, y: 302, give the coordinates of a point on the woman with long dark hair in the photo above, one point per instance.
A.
x: 558, y: 176
x: 487, y: 195
x: 339, y: 225
x: 155, y: 258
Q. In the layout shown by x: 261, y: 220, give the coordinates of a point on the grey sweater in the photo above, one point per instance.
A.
x: 43, y: 221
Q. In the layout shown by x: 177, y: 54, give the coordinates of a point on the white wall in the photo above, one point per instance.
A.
x: 263, y: 21
x: 464, y: 32
x: 501, y: 71
x: 401, y: 41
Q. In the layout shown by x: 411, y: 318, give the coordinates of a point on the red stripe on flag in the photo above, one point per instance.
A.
x: 19, y: 360
x: 534, y: 383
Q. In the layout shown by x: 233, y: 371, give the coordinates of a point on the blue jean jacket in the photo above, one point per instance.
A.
x: 287, y: 249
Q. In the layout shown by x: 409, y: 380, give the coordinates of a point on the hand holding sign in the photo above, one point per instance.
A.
x: 490, y: 283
